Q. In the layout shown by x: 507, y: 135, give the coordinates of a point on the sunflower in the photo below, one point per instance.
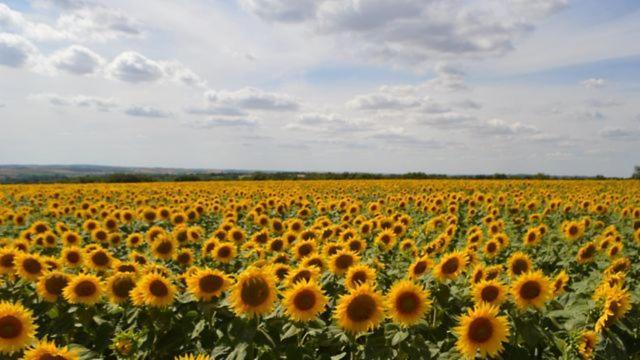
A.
x: 99, y: 259
x: 207, y: 284
x: 407, y: 302
x: 83, y: 289
x: 254, y: 292
x: 489, y: 291
x: 48, y: 350
x: 164, y: 247
x: 71, y: 238
x: 304, y: 301
x: 280, y: 271
x: 573, y: 230
x: 342, y: 261
x: 192, y: 357
x: 225, y: 252
x: 72, y: 256
x: 450, y: 266
x: 17, y: 328
x: 531, y: 289
x: 420, y: 267
x: 491, y: 248
x: 119, y: 286
x: 317, y: 261
x: 7, y: 261
x: 587, y: 253
x: 358, y: 275
x: 304, y: 248
x: 482, y: 330
x: 153, y: 290
x: 560, y: 283
x: 587, y: 344
x: 532, y: 237
x: 50, y: 285
x: 616, y: 305
x: 518, y: 264
x: 360, y: 310
x: 302, y: 273
x: 29, y: 266
x: 134, y: 240
x: 386, y: 240
x: 184, y: 257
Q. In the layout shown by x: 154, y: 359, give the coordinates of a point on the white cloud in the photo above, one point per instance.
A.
x: 77, y: 60
x: 16, y: 51
x: 14, y: 22
x: 382, y: 101
x: 620, y: 133
x: 225, y: 122
x: 594, y: 83
x: 448, y: 78
x: 327, y: 123
x: 501, y: 127
x: 133, y: 67
x: 146, y: 111
x: 80, y: 101
x: 603, y: 103
x: 281, y: 10
x: 252, y: 99
x: 98, y: 23
x: 448, y: 120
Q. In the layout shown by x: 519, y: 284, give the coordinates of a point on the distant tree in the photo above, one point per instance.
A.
x: 636, y: 173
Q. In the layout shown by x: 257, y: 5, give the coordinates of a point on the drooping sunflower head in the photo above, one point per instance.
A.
x: 304, y: 301
x: 482, y: 330
x: 254, y: 292
x: 153, y: 290
x: 50, y: 285
x: 450, y: 266
x: 83, y: 289
x: 360, y: 310
x: 17, y: 328
x: 560, y: 283
x: 407, y: 302
x: 531, y: 289
x: 616, y: 305
x: 206, y: 284
x: 587, y: 253
x: 587, y: 342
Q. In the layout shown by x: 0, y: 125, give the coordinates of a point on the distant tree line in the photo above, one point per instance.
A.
x: 276, y: 175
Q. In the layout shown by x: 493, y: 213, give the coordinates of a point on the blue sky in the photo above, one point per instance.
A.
x: 438, y: 86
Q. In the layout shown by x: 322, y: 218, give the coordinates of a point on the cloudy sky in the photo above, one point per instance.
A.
x: 441, y: 86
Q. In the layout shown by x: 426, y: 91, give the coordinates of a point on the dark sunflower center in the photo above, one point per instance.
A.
x: 304, y: 250
x: 100, y: 258
x: 589, y: 251
x: 361, y: 308
x: 165, y: 247
x: 10, y: 327
x: 302, y: 275
x: 573, y: 230
x: 450, y: 266
x: 420, y: 267
x: 85, y: 288
x: 73, y: 257
x: 7, y: 260
x: 407, y: 302
x: 489, y: 293
x: 184, y: 258
x: 210, y: 283
x: 359, y: 277
x: 491, y: 247
x: 304, y: 300
x: 55, y: 284
x: 255, y: 291
x: 224, y: 252
x: 282, y: 272
x: 276, y: 245
x: 51, y: 357
x: 158, y: 288
x: 315, y: 262
x: 344, y: 261
x: 480, y: 330
x: 32, y: 266
x: 520, y: 266
x: 122, y: 287
x: 530, y: 290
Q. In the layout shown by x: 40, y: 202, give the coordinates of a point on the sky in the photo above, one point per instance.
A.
x: 393, y: 86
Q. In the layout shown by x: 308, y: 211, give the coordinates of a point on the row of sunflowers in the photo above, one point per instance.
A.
x: 411, y: 269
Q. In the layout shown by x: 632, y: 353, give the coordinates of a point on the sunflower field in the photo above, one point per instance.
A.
x: 350, y: 269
